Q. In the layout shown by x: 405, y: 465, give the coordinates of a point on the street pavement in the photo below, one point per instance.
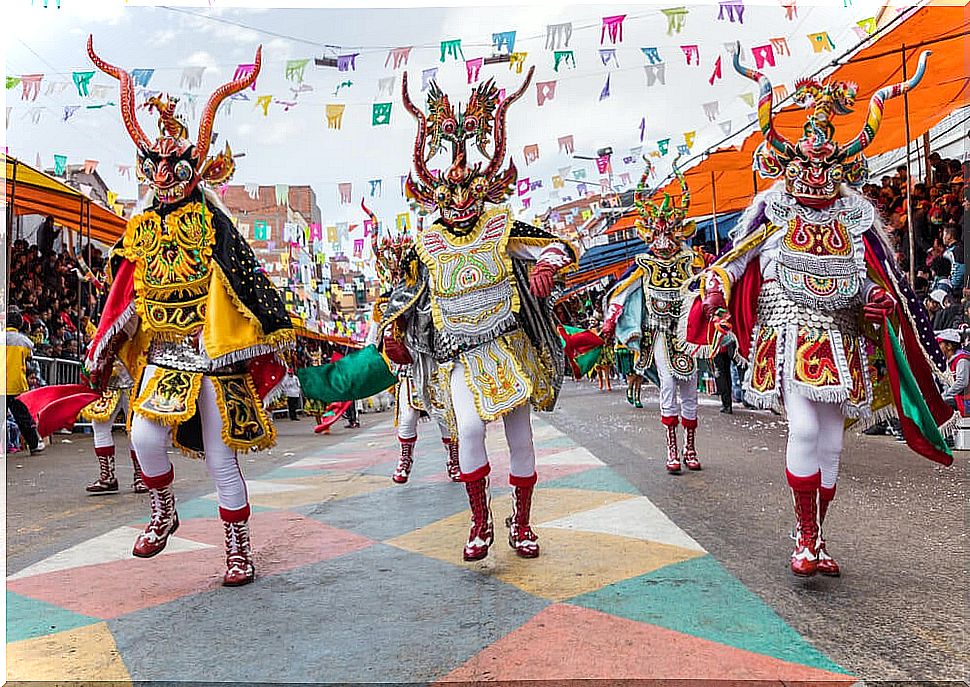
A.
x: 642, y: 575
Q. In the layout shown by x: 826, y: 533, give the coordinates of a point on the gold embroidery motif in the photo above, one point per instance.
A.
x: 245, y: 424
x: 471, y: 280
x: 505, y: 373
x: 172, y: 267
x: 104, y: 408
x: 815, y: 362
x: 170, y: 396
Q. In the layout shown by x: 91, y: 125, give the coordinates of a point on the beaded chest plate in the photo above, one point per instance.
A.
x: 473, y: 290
x: 821, y: 256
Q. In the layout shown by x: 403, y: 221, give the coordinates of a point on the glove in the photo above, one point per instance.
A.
x: 609, y: 324
x: 713, y: 304
x: 879, y: 306
x: 541, y: 280
x: 396, y: 351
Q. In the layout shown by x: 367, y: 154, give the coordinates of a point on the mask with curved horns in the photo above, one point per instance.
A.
x: 460, y: 193
x: 172, y: 164
x: 816, y: 165
x: 389, y: 249
x: 661, y: 225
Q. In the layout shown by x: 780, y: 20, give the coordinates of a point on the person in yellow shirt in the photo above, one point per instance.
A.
x: 19, y: 349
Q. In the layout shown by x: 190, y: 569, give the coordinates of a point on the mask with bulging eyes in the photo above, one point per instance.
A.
x: 172, y: 164
x: 662, y: 225
x: 460, y: 193
x: 816, y: 166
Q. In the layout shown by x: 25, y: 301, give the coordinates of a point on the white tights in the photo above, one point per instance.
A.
x: 102, y: 434
x: 814, y: 438
x: 152, y: 440
x: 670, y: 386
x: 407, y: 417
x: 471, y: 431
x: 102, y: 430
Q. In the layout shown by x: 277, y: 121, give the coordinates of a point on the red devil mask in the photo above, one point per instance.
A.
x: 816, y: 165
x: 172, y: 164
x: 461, y: 192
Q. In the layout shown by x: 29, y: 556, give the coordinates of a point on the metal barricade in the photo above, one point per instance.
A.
x: 58, y: 370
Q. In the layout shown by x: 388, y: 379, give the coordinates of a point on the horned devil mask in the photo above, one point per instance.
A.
x: 172, y: 164
x: 815, y: 166
x: 661, y: 225
x: 461, y: 192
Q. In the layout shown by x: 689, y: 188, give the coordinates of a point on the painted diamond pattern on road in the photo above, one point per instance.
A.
x: 577, y: 641
x: 110, y: 546
x: 615, y: 576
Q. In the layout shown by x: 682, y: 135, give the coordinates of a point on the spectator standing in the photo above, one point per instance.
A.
x: 19, y: 349
x: 954, y: 254
x: 291, y: 387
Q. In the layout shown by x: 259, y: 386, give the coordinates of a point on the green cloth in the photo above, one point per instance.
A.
x: 911, y: 404
x: 587, y: 361
x: 358, y: 375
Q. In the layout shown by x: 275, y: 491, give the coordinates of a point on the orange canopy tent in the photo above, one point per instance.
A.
x: 30, y: 191
x: 724, y: 181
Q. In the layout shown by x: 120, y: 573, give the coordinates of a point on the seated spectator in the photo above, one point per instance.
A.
x: 945, y: 313
x: 940, y: 274
x: 958, y: 361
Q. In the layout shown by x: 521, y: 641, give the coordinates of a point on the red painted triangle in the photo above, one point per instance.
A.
x: 566, y: 642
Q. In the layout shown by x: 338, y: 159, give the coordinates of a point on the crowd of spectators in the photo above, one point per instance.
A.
x: 940, y: 217
x: 48, y: 287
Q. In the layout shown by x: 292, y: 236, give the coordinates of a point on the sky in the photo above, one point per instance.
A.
x: 295, y: 146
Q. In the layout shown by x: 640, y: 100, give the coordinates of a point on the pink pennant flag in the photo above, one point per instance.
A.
x: 244, y: 70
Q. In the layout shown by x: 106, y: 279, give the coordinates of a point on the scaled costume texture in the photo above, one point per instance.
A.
x: 194, y: 319
x: 474, y: 297
x: 811, y: 289
x: 644, y: 311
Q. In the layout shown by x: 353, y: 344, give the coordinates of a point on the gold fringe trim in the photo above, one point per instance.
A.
x: 104, y: 408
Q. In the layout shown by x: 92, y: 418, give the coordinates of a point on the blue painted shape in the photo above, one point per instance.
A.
x: 596, y: 479
x: 28, y: 618
x: 700, y: 598
x: 556, y: 442
x: 285, y: 473
x: 391, y: 512
x: 376, y: 615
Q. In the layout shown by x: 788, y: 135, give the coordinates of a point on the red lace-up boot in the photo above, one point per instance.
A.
x: 521, y: 537
x: 453, y: 468
x: 240, y: 569
x: 137, y: 481
x: 482, y: 533
x: 673, y: 457
x: 804, y: 559
x: 164, y: 520
x: 690, y: 453
x: 404, y: 463
x: 107, y: 481
x: 826, y: 564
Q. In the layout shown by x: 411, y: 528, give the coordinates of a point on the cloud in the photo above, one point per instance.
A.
x: 201, y: 58
x: 162, y: 37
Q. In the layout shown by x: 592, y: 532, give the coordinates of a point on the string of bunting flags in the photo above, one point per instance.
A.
x: 564, y: 55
